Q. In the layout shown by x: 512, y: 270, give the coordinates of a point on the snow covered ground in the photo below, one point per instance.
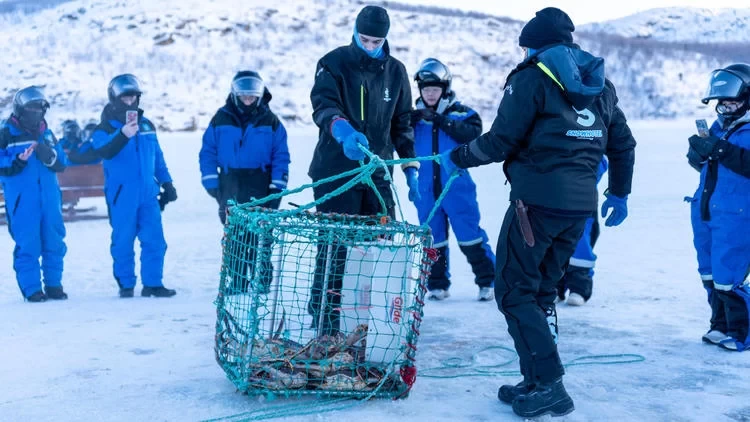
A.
x: 97, y: 357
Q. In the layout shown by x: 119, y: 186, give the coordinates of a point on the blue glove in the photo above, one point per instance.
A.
x: 445, y: 161
x: 413, y: 182
x: 619, y: 212
x: 350, y: 139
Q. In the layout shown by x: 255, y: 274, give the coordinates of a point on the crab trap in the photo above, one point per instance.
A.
x: 313, y: 303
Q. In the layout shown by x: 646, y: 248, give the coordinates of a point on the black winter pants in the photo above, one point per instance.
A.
x: 525, y: 286
x: 242, y: 186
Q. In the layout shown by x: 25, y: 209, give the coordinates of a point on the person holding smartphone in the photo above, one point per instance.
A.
x: 134, y: 171
x: 720, y: 208
x: 30, y: 157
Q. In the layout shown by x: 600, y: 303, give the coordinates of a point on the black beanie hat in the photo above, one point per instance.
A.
x: 550, y: 26
x: 373, y: 21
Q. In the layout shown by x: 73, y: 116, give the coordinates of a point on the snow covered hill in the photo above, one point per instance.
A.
x: 681, y: 24
x: 186, y: 51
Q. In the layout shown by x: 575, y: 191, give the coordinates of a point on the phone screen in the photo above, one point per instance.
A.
x: 702, y: 127
x: 131, y: 116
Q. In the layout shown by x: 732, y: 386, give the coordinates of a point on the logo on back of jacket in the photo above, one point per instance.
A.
x: 586, y: 118
x: 387, y: 96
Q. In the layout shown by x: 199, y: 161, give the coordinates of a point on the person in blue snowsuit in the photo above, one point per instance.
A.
x: 244, y: 156
x: 579, y: 276
x: 440, y: 124
x: 30, y: 157
x: 720, y: 208
x: 79, y: 149
x: 134, y: 171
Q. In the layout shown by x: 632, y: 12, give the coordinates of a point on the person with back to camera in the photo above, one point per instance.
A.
x: 557, y: 118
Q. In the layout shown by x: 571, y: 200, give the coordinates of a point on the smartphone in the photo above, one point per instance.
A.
x: 702, y: 127
x: 131, y: 116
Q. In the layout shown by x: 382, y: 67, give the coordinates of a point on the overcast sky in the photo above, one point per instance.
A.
x: 580, y: 11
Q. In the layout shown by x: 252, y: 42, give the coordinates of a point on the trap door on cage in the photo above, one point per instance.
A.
x: 356, y: 288
x: 392, y: 294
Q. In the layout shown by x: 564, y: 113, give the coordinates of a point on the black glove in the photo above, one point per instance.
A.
x: 45, y: 154
x: 162, y: 200
x: 695, y: 160
x: 705, y: 147
x: 168, y: 194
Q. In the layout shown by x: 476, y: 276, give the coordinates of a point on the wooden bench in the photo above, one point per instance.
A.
x: 76, y: 182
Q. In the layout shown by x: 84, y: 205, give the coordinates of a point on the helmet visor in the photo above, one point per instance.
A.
x: 125, y: 85
x: 723, y: 85
x: 432, y: 71
x: 248, y: 85
x: 31, y: 97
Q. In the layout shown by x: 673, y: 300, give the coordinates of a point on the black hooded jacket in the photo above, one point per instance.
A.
x: 558, y: 116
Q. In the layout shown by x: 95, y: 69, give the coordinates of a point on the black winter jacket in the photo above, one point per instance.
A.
x: 558, y: 116
x: 373, y: 95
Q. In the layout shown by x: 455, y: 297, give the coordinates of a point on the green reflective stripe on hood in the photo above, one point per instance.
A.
x: 549, y: 73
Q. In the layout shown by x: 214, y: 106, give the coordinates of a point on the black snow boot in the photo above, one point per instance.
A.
x: 55, y: 293
x: 507, y: 393
x: 160, y: 291
x: 127, y: 293
x: 37, y: 297
x: 544, y: 399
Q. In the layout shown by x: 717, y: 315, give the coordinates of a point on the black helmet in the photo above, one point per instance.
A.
x: 29, y: 97
x: 729, y: 83
x: 246, y: 82
x: 71, y: 130
x: 432, y: 72
x: 29, y: 106
x: 125, y: 84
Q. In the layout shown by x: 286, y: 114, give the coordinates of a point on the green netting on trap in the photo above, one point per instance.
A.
x: 320, y: 303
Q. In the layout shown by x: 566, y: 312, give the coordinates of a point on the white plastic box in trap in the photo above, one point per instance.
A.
x: 378, y: 288
x: 268, y: 339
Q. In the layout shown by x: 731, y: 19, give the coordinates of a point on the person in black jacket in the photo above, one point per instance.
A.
x: 361, y: 99
x: 558, y: 116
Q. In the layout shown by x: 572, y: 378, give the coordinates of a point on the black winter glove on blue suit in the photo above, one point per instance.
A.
x: 168, y: 194
x: 709, y: 147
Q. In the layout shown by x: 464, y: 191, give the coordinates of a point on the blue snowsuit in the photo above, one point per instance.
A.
x: 579, y: 276
x: 33, y: 205
x: 454, y: 124
x: 244, y: 154
x: 721, y: 235
x: 133, y: 171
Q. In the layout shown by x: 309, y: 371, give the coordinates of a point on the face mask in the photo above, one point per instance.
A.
x: 30, y: 119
